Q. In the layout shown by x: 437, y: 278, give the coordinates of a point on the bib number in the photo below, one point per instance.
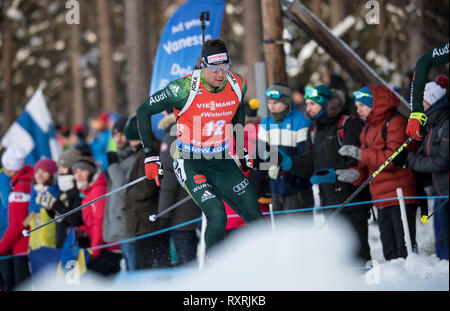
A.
x: 214, y: 127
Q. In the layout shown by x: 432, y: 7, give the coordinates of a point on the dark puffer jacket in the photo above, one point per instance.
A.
x: 433, y: 154
x: 141, y: 201
x: 321, y: 152
x: 375, y: 150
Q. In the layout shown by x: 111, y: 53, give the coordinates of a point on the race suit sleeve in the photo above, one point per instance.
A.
x: 434, y: 57
x: 239, y: 116
x: 174, y: 95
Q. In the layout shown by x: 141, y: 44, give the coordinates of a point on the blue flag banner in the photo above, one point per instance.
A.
x: 181, y: 43
x: 34, y: 131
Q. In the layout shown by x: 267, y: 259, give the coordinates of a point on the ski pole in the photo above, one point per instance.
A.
x: 426, y: 218
x: 386, y: 163
x: 153, y: 217
x: 204, y: 16
x: 26, y: 232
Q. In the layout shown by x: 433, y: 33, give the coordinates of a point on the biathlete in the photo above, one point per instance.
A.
x: 434, y: 57
x: 207, y: 104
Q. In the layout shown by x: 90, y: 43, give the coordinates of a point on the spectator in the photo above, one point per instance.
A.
x: 100, y: 142
x: 92, y: 184
x: 67, y: 198
x: 185, y: 238
x: 6, y: 265
x: 286, y: 129
x: 332, y: 128
x: 62, y: 136
x: 77, y: 139
x: 382, y: 135
x: 119, y: 169
x: 141, y: 201
x: 432, y: 156
x: 43, y: 254
x: 13, y: 241
x: 298, y: 99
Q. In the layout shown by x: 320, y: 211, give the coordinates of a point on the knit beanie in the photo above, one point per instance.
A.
x: 324, y: 95
x: 435, y: 90
x: 47, y: 165
x: 14, y: 158
x: 86, y: 163
x: 69, y: 157
x: 131, y: 130
x: 364, y: 96
x: 119, y: 125
x: 283, y: 89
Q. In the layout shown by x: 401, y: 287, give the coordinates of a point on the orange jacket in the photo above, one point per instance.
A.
x: 375, y: 150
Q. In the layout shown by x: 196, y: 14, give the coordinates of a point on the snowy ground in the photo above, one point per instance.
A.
x: 295, y: 257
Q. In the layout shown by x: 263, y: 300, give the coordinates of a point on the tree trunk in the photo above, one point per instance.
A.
x: 338, y: 11
x: 414, y: 32
x: 108, y: 86
x: 7, y: 60
x: 137, y: 72
x: 77, y: 88
x: 272, y: 32
x: 315, y: 8
x: 252, y: 42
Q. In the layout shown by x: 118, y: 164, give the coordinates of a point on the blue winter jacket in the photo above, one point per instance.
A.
x: 5, y: 187
x: 99, y: 148
x: 290, y: 136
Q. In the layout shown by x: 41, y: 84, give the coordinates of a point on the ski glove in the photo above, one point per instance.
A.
x: 323, y: 176
x: 350, y: 151
x: 349, y: 175
x: 416, y: 122
x: 283, y: 162
x: 112, y: 157
x: 246, y: 162
x: 152, y: 166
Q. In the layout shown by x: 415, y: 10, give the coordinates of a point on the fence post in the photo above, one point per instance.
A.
x: 202, y: 247
x: 404, y: 220
x: 272, y: 218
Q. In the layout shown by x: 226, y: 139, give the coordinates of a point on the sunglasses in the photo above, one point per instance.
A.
x: 358, y: 95
x: 217, y: 68
x: 274, y: 94
x: 313, y: 94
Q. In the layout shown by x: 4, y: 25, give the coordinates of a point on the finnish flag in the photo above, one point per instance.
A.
x: 34, y: 131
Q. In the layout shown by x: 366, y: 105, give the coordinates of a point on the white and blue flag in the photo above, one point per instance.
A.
x: 181, y: 44
x: 34, y: 131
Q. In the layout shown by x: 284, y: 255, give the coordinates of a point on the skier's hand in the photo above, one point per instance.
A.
x: 246, y: 161
x: 152, y: 166
x: 350, y: 151
x: 349, y: 175
x: 416, y: 123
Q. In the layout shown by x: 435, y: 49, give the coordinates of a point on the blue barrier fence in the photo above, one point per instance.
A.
x: 231, y: 216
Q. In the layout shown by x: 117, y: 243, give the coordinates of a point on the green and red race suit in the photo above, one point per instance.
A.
x: 202, y: 163
x: 434, y: 57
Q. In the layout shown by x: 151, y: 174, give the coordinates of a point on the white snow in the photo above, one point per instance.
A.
x: 296, y: 257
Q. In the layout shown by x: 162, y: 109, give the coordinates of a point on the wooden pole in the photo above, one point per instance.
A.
x: 273, y: 47
x: 338, y: 49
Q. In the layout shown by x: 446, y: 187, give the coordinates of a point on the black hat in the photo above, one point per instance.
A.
x: 120, y: 124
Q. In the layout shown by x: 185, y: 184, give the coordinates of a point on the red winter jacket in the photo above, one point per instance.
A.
x: 18, y: 201
x: 375, y: 150
x: 93, y: 214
